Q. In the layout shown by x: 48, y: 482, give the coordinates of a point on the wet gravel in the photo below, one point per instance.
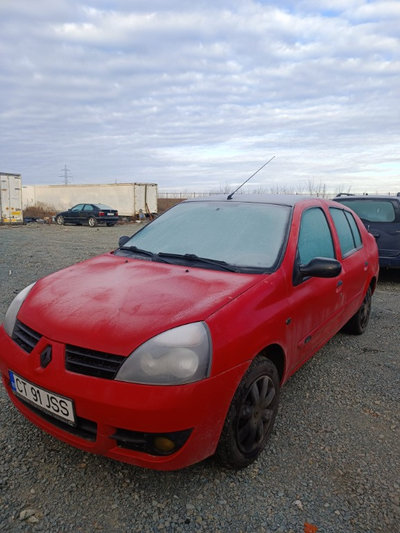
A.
x: 332, y: 463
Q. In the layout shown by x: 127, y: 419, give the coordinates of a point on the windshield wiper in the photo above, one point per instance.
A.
x: 137, y: 250
x: 161, y: 256
x: 222, y: 265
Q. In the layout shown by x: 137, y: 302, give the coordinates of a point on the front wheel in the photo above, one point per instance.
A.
x: 60, y: 220
x: 358, y: 322
x: 251, y: 416
x: 92, y: 222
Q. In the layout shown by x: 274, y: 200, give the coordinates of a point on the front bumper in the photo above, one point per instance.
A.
x: 109, y: 412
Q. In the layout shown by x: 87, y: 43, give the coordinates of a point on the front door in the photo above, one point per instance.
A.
x: 317, y: 303
x: 73, y: 215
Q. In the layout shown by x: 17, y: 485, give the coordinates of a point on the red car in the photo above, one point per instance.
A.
x: 174, y: 346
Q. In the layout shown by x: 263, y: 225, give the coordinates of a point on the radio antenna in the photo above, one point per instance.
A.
x: 248, y: 179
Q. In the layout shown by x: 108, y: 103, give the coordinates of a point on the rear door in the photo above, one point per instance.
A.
x: 87, y: 212
x: 353, y: 258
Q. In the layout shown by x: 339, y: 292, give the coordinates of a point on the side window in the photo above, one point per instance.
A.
x: 88, y: 207
x: 354, y: 229
x: 347, y: 230
x: 77, y: 208
x: 315, y: 239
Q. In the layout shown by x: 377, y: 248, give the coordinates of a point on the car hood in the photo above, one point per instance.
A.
x: 114, y: 304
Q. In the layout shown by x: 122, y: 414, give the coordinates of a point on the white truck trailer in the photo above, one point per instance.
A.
x: 10, y: 198
x: 128, y: 198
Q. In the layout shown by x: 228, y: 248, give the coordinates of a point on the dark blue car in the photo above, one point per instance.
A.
x: 381, y: 217
x: 91, y: 214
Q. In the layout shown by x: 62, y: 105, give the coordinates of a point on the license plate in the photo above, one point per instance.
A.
x: 110, y: 214
x: 53, y: 404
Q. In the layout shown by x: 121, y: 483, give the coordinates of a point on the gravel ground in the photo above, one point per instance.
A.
x: 333, y: 459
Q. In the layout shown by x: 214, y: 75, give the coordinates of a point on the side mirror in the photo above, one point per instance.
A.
x: 321, y: 267
x: 123, y: 240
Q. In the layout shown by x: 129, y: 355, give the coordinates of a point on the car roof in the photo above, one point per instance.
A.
x: 367, y: 197
x: 279, y: 199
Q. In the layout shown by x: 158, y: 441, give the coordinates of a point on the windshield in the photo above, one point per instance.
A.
x: 249, y: 235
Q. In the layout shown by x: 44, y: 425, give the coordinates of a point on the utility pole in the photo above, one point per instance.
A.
x: 64, y: 175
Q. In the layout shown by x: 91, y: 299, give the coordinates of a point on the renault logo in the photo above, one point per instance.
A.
x: 45, y: 357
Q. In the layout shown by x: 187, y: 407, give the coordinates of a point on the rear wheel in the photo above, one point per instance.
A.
x: 251, y: 415
x: 92, y: 222
x: 60, y: 220
x: 358, y: 323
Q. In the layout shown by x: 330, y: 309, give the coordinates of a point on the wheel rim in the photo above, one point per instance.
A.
x: 60, y: 220
x: 91, y: 221
x: 255, y: 415
x: 365, y: 310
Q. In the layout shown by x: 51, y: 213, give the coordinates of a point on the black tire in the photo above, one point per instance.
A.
x: 358, y: 322
x: 92, y: 222
x: 251, y: 416
x: 60, y: 220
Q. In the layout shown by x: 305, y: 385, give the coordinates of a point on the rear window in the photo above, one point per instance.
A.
x: 372, y: 210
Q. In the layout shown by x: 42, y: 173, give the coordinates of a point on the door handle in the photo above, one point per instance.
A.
x: 339, y: 288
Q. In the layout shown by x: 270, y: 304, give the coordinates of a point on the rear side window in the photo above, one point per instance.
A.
x: 347, y: 230
x: 315, y: 239
x: 354, y: 228
x: 372, y: 210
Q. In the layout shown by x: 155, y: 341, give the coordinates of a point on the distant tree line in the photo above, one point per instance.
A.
x: 311, y: 187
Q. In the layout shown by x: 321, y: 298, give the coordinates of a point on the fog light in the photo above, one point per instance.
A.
x: 163, y: 444
x: 152, y: 443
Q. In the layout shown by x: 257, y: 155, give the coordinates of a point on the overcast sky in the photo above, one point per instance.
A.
x: 196, y: 95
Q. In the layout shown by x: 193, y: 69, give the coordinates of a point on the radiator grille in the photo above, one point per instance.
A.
x: 92, y: 363
x: 25, y: 337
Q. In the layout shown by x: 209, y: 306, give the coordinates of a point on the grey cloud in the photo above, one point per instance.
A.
x: 195, y: 96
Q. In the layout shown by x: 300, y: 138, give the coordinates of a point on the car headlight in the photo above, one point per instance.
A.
x: 179, y: 355
x: 15, y: 306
